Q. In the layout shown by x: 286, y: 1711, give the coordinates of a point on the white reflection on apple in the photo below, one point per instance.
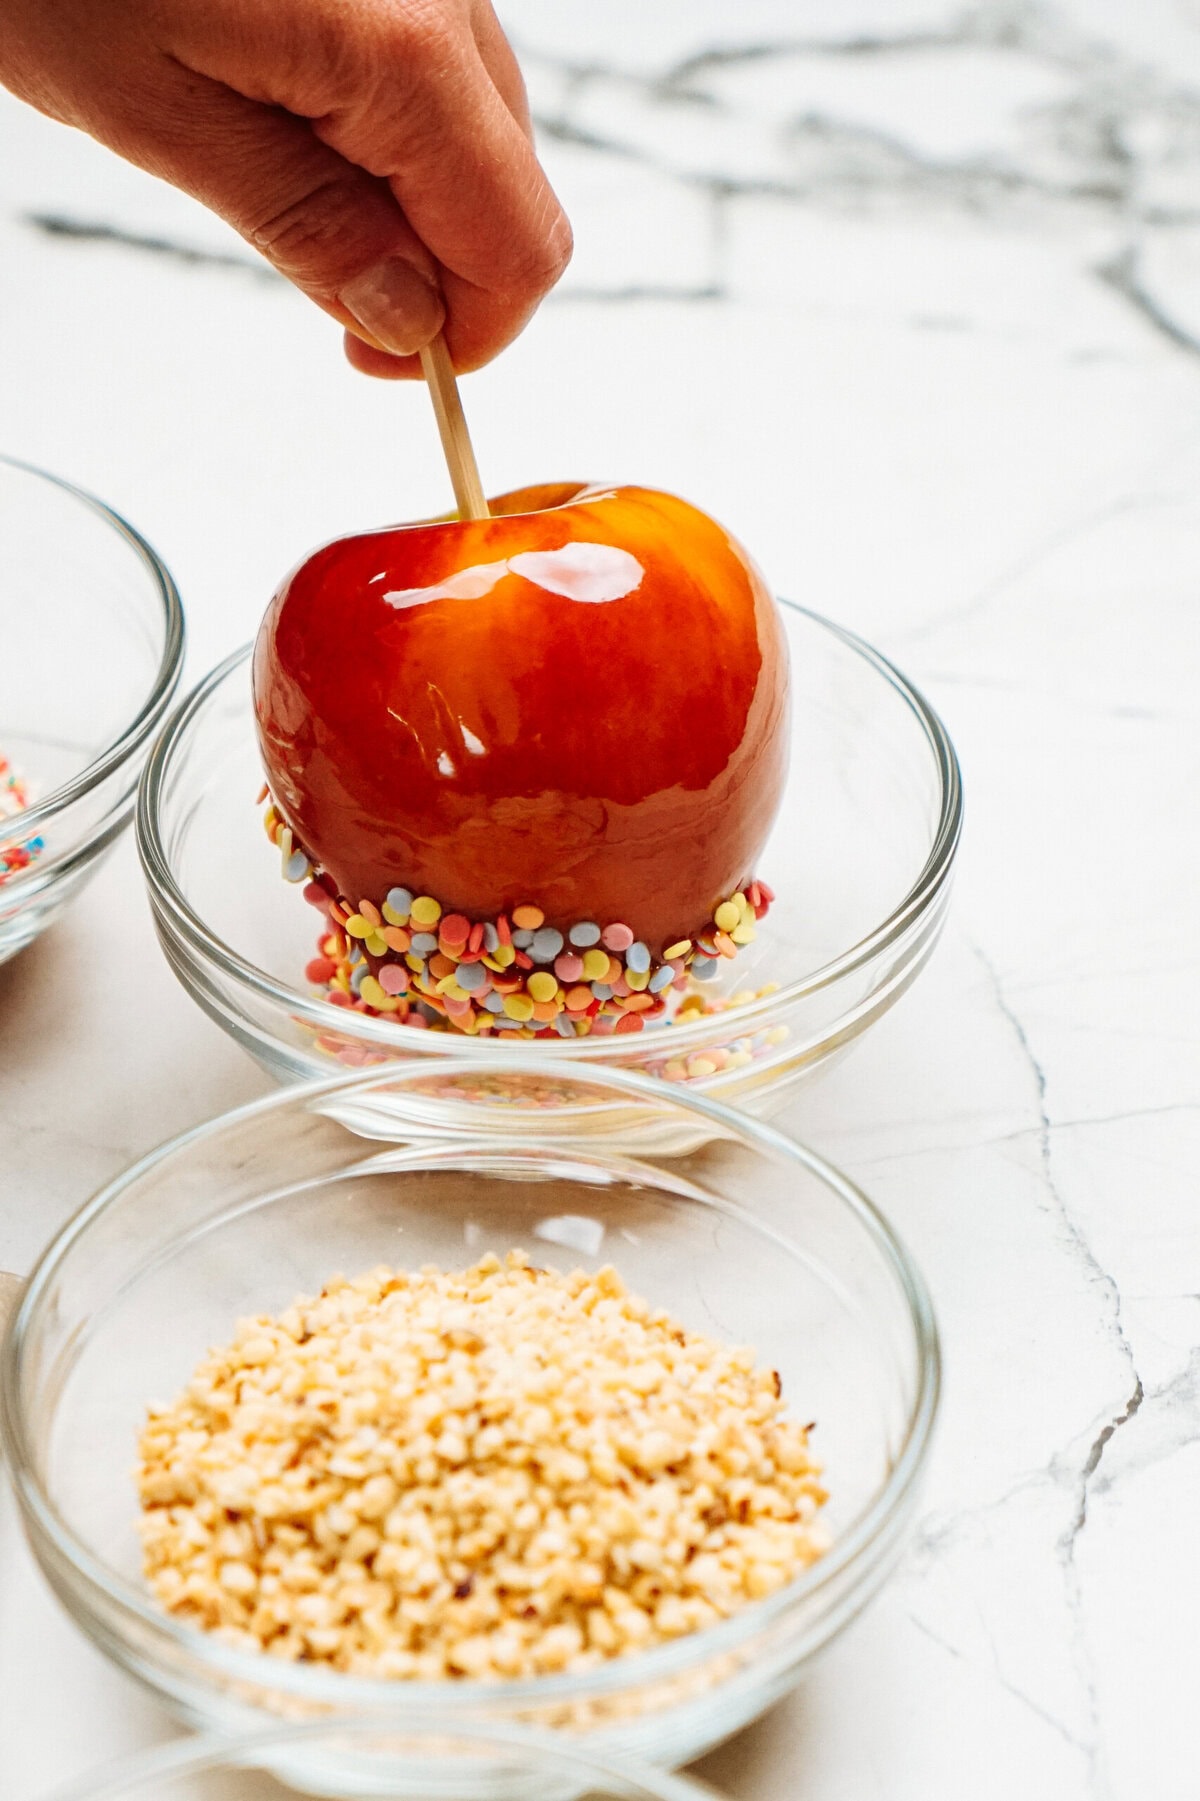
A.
x: 592, y: 573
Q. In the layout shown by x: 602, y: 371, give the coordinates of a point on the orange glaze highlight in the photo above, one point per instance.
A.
x: 497, y: 743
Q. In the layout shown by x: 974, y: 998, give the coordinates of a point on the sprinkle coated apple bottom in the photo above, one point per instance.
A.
x: 494, y: 1473
x: 406, y: 959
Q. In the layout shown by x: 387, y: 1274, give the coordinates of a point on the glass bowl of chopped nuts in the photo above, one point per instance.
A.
x: 91, y: 648
x: 526, y: 1765
x: 312, y: 1413
x: 860, y: 862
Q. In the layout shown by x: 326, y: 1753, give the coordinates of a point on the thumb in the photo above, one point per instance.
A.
x: 332, y: 229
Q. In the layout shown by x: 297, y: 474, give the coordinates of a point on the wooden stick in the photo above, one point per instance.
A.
x: 456, y: 440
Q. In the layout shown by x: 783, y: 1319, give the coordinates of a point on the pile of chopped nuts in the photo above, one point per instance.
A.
x: 500, y: 1472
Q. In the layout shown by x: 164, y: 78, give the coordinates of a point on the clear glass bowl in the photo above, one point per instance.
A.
x: 747, y: 1237
x: 521, y: 1766
x: 91, y: 648
x: 860, y: 860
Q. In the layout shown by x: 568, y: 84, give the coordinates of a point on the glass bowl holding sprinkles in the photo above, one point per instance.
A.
x: 91, y: 648
x: 859, y: 866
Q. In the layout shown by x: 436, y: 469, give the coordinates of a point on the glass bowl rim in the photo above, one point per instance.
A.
x: 640, y: 1667
x: 211, y: 1752
x: 186, y: 923
x: 166, y: 678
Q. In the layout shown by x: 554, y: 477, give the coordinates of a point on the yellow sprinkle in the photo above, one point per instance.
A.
x: 677, y: 950
x: 637, y: 978
x: 777, y: 1035
x: 414, y: 962
x: 675, y: 1070
x: 449, y: 985
x: 372, y: 993
x: 542, y: 985
x: 376, y: 943
x: 743, y: 906
x: 743, y: 934
x: 701, y: 1066
x: 518, y: 1006
x: 595, y: 965
x: 426, y: 911
x: 357, y: 926
x: 393, y: 918
x: 502, y: 956
x: 738, y: 1059
x: 727, y: 915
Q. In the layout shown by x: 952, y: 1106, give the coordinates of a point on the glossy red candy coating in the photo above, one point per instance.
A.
x: 618, y: 755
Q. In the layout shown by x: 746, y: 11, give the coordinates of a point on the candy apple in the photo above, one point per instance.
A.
x: 578, y: 704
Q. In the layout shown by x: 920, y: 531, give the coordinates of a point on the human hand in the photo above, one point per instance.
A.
x: 377, y: 152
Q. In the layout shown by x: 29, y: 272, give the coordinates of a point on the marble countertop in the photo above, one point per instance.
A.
x: 908, y: 293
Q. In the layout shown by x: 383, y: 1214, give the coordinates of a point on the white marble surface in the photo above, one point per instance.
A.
x: 908, y: 292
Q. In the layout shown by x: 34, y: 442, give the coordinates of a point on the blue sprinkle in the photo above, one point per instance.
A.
x: 662, y: 978
x: 424, y: 944
x: 470, y: 976
x: 546, y: 944
x: 703, y: 967
x: 522, y: 938
x: 563, y: 1026
x: 584, y: 935
x: 637, y: 957
x: 358, y: 976
x: 491, y: 937
x: 400, y: 900
x: 296, y: 867
x: 505, y: 1024
x: 494, y: 1003
x: 602, y: 991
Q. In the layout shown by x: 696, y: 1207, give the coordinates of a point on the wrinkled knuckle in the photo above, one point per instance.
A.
x: 300, y: 238
x: 545, y: 257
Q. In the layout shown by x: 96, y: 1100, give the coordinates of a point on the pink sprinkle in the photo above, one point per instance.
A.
x: 568, y: 968
x: 621, y: 987
x: 393, y: 979
x: 616, y: 938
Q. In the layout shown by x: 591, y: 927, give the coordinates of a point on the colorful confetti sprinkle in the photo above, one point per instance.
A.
x: 14, y: 798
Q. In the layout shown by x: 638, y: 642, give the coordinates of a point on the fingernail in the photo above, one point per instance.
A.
x: 396, y: 305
